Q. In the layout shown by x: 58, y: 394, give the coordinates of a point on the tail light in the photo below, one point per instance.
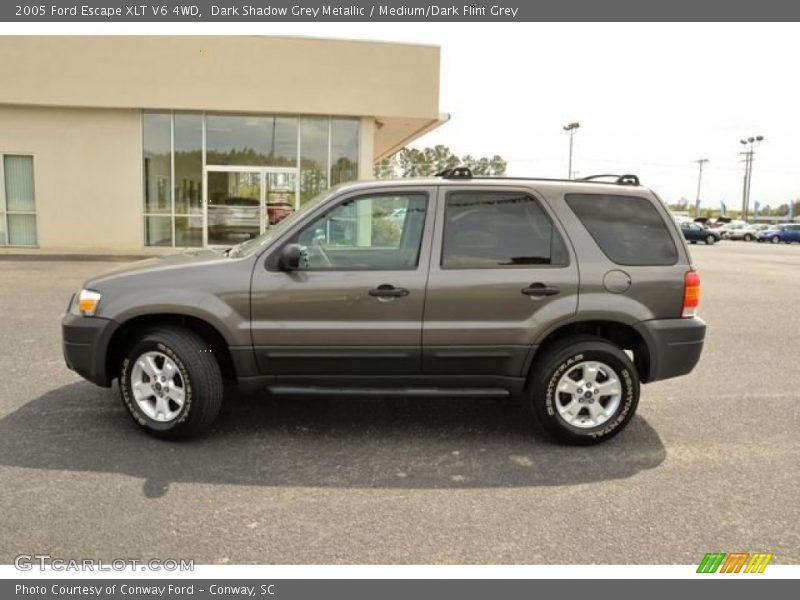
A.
x: 691, y: 293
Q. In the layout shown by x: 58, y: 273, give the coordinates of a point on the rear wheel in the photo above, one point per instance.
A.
x: 710, y: 240
x: 171, y: 383
x: 748, y: 237
x: 775, y: 239
x: 584, y: 390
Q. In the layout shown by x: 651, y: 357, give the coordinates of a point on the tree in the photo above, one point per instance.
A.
x: 415, y: 162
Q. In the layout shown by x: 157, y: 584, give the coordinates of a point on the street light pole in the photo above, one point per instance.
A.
x: 750, y: 144
x: 571, y: 129
x: 700, y: 162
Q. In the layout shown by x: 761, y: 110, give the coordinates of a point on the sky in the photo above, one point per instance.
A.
x: 651, y: 99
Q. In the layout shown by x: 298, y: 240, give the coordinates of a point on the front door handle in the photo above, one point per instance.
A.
x: 540, y: 290
x: 387, y: 290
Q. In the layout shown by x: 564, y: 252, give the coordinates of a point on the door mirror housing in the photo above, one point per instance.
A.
x: 294, y: 257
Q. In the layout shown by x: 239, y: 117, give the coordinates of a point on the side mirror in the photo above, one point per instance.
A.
x: 294, y: 257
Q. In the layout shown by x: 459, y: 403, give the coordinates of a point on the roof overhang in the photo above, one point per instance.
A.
x: 394, y: 133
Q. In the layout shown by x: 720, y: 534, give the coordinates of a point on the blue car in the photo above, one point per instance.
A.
x: 780, y: 233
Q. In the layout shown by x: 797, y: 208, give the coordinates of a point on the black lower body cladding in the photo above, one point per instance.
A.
x: 85, y: 341
x: 674, y: 346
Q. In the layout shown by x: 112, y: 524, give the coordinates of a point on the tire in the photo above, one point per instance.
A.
x: 570, y: 359
x: 710, y: 240
x: 748, y: 237
x: 692, y: 241
x: 191, y: 370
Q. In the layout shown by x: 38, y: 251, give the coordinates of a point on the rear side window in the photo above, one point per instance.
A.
x: 628, y: 229
x: 498, y: 229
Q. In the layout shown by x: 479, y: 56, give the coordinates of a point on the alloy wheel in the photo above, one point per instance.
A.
x: 158, y: 386
x: 588, y: 394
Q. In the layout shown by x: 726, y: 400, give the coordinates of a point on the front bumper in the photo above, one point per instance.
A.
x: 674, y: 346
x: 85, y: 342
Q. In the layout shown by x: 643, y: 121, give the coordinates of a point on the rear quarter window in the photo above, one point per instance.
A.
x: 629, y: 230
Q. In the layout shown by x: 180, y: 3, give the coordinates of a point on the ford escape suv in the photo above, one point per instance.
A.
x: 567, y: 293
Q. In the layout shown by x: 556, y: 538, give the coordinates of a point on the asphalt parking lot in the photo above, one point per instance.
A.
x: 710, y: 463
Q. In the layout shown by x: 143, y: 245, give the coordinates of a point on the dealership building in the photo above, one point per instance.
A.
x: 136, y: 145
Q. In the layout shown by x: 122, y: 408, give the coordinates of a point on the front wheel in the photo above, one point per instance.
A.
x: 171, y: 383
x: 710, y: 240
x: 775, y: 239
x: 748, y: 237
x: 584, y: 390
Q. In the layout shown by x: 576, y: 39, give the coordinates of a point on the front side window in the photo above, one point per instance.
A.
x: 17, y: 201
x: 628, y: 229
x: 367, y: 233
x: 498, y: 229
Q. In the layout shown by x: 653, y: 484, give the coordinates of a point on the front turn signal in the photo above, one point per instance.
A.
x: 88, y: 302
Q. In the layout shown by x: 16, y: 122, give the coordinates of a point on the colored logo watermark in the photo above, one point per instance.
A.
x: 734, y: 562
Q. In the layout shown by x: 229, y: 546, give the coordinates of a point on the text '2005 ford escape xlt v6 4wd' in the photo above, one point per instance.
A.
x: 569, y: 293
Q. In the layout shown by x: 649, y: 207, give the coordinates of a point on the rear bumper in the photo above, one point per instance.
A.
x: 85, y: 342
x: 674, y: 346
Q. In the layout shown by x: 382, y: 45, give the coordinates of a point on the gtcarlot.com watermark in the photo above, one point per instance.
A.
x: 43, y: 562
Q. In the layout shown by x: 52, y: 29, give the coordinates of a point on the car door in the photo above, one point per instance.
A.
x: 357, y: 307
x: 501, y: 274
x: 793, y: 233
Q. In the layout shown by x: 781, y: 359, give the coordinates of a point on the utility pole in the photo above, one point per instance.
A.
x: 700, y: 162
x: 750, y: 144
x: 571, y: 129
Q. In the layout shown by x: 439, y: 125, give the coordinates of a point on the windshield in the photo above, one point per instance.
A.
x: 255, y: 244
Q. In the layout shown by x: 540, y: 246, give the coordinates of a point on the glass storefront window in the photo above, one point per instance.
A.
x: 189, y: 231
x: 313, y: 157
x: 344, y: 150
x: 17, y: 201
x: 157, y: 143
x: 188, y: 164
x: 251, y: 141
x: 307, y: 154
x: 158, y: 231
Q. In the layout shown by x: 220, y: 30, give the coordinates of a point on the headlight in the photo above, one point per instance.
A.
x: 86, y: 302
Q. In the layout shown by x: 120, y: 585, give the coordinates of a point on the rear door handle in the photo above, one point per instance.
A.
x: 540, y: 290
x: 387, y: 290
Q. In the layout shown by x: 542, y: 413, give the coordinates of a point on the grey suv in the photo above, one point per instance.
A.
x: 567, y: 293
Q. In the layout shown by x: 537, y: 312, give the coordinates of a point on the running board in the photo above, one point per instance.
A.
x: 301, y: 390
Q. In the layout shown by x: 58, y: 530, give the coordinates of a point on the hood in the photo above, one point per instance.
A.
x: 159, y: 264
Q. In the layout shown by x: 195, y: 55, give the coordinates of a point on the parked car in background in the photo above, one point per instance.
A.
x: 694, y: 232
x: 748, y: 233
x: 787, y: 233
x: 728, y: 228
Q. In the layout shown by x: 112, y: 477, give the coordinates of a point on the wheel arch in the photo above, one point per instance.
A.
x: 620, y: 334
x: 128, y: 331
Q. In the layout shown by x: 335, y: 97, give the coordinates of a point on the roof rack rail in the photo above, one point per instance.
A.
x: 627, y: 179
x: 455, y: 173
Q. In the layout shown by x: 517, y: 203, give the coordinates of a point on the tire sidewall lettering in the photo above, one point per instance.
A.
x: 623, y: 412
x: 130, y: 402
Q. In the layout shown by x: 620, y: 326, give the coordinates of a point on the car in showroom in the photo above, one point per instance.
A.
x: 278, y: 211
x: 694, y: 232
x: 787, y: 233
x: 569, y: 294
